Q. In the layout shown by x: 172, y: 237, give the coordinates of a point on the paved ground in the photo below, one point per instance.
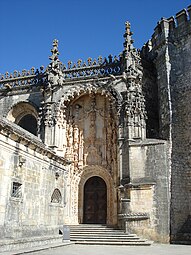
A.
x: 116, y: 250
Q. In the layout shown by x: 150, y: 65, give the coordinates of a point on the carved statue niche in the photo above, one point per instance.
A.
x: 76, y: 144
x: 69, y: 150
x: 92, y: 114
x: 81, y: 148
x: 93, y: 158
x: 109, y: 142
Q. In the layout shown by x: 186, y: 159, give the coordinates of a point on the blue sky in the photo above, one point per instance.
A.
x: 84, y: 28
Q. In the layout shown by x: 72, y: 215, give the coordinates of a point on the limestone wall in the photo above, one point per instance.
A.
x: 170, y: 51
x: 32, y: 209
x: 149, y: 195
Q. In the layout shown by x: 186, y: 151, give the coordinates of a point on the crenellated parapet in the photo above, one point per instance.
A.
x: 166, y: 59
x: 173, y: 28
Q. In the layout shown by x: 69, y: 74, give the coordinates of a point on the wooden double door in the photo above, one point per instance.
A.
x: 95, y: 201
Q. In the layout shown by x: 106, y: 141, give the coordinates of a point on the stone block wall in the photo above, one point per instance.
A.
x: 181, y: 137
x: 170, y: 51
x: 31, y: 211
x: 150, y: 195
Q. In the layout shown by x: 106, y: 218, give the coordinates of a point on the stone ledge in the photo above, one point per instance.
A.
x: 30, y: 244
x: 146, y: 142
x: 18, y: 134
x: 36, y: 248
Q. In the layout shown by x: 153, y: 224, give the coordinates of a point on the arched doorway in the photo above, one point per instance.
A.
x: 95, y: 201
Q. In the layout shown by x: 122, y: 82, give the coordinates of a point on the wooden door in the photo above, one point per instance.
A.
x: 95, y: 201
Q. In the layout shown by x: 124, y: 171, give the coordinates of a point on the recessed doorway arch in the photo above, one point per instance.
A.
x: 95, y: 201
x: 92, y: 171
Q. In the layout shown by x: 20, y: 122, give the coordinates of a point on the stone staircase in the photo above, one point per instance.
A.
x: 103, y: 235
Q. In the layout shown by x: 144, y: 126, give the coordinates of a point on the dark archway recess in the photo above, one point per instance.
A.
x: 95, y: 201
x: 29, y: 123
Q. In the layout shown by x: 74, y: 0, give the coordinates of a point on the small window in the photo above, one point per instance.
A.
x: 56, y: 196
x: 16, y: 189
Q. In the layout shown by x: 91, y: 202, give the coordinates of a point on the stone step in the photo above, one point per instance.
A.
x: 90, y: 227
x: 86, y: 229
x: 84, y: 242
x: 98, y: 231
x: 103, y: 235
x: 107, y: 239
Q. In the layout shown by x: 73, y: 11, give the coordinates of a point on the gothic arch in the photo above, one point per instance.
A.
x: 91, y: 171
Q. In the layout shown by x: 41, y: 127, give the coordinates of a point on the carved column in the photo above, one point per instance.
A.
x: 52, y: 117
x: 131, y: 122
x: 60, y: 130
x: 135, y: 107
x: 46, y: 123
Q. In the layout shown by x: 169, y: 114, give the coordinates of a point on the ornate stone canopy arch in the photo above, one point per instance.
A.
x: 91, y: 171
x: 102, y: 87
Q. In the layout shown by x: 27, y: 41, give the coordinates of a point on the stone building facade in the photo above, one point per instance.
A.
x: 105, y: 141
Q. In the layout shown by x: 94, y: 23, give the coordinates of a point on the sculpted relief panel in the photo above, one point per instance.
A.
x: 91, y: 132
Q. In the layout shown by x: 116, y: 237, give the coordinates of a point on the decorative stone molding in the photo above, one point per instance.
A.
x: 134, y: 216
x: 30, y: 78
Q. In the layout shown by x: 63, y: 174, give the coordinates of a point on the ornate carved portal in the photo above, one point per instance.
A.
x: 91, y: 144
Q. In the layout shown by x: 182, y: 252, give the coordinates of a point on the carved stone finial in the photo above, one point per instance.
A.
x: 54, y: 51
x: 128, y: 40
x: 89, y: 61
x: 79, y: 62
x: 54, y: 70
x: 100, y: 60
x: 69, y: 64
x: 130, y: 55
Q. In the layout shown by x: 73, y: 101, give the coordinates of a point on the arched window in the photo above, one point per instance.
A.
x: 56, y: 196
x: 25, y: 115
x: 29, y: 123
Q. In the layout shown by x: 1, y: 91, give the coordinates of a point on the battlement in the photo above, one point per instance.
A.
x: 167, y: 26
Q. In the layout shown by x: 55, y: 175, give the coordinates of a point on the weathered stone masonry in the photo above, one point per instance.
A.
x: 124, y: 119
x: 170, y: 49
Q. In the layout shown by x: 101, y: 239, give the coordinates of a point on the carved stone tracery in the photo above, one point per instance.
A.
x: 91, y: 132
